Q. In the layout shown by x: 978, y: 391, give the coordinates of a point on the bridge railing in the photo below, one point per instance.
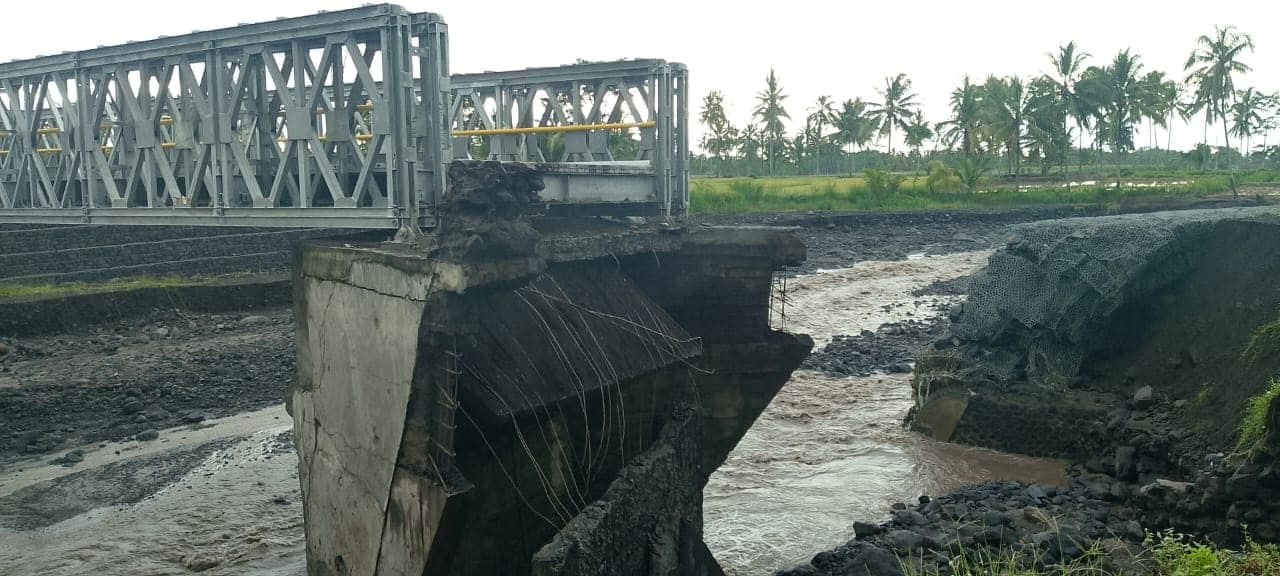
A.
x: 610, y: 115
x: 340, y: 119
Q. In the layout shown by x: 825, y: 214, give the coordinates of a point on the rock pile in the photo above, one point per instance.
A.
x: 1030, y: 524
x: 889, y: 349
x: 481, y: 215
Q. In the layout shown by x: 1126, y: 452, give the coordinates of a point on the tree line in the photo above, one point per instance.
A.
x: 1038, y: 121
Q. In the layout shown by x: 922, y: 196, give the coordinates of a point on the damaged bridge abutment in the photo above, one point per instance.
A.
x: 551, y: 413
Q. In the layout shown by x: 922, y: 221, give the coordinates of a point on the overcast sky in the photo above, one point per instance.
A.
x: 844, y: 49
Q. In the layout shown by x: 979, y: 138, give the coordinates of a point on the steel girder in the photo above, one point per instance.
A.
x: 296, y: 120
x: 517, y: 111
x: 338, y: 119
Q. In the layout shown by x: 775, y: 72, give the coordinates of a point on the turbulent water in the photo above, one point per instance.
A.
x: 827, y: 451
x: 235, y: 513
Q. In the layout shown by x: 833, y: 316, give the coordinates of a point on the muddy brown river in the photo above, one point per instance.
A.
x: 828, y: 451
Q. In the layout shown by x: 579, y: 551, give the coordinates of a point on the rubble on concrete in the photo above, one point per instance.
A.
x: 482, y: 212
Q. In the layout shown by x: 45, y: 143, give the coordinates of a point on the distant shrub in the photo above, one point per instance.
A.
x: 942, y: 179
x: 882, y: 184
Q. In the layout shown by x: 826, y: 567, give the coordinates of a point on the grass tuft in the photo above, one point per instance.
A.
x: 985, y: 562
x: 48, y: 289
x: 1263, y: 342
x: 1178, y: 555
x: 1253, y: 427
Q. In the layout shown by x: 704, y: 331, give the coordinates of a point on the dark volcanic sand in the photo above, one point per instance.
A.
x: 115, y: 381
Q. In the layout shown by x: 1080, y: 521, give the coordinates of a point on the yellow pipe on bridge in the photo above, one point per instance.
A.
x: 367, y: 137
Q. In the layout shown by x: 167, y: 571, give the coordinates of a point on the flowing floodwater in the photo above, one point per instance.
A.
x: 826, y: 452
x: 830, y: 450
x: 235, y: 513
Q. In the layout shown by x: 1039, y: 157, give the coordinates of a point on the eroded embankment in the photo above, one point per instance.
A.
x: 1109, y: 320
x: 1131, y: 345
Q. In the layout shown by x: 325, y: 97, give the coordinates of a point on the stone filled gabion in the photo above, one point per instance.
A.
x: 1046, y: 299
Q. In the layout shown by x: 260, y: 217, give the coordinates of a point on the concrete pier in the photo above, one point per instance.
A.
x: 549, y: 408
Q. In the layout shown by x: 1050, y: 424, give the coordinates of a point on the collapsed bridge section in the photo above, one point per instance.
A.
x: 532, y: 395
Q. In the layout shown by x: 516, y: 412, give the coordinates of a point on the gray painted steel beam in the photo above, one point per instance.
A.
x: 289, y: 123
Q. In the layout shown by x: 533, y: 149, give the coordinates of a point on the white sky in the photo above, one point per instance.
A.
x: 844, y: 49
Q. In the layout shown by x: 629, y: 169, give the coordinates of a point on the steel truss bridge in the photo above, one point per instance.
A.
x: 342, y: 119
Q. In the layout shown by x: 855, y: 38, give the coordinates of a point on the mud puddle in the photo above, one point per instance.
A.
x: 830, y: 450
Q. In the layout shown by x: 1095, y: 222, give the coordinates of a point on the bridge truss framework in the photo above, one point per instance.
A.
x: 343, y: 119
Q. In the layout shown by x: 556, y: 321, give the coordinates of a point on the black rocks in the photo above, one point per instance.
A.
x: 132, y: 407
x: 1065, y: 544
x: 1126, y: 464
x: 1038, y: 524
x: 889, y: 349
x: 866, y: 529
x: 866, y: 560
x: 1133, y: 531
x: 147, y: 435
x: 903, y: 541
x: 993, y: 518
x: 1143, y: 398
x: 71, y: 458
x: 909, y: 518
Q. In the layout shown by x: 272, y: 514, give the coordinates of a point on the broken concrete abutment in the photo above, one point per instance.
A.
x: 554, y: 406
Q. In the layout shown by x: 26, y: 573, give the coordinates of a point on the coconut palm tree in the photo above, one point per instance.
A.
x: 1156, y: 99
x: 918, y: 131
x: 1211, y: 68
x: 964, y: 124
x: 1115, y: 91
x: 1005, y: 109
x: 855, y: 127
x: 1047, y: 133
x: 796, y: 148
x: 823, y: 114
x: 721, y: 137
x: 1270, y: 118
x: 1247, y: 116
x: 752, y: 143
x: 1068, y: 64
x: 1171, y: 94
x: 771, y: 112
x: 896, y: 106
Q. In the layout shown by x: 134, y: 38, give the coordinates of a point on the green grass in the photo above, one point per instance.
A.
x: 1253, y: 427
x: 1263, y: 342
x: 19, y: 290
x: 784, y: 194
x: 1005, y: 563
x: 1163, y: 554
x: 1178, y: 555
